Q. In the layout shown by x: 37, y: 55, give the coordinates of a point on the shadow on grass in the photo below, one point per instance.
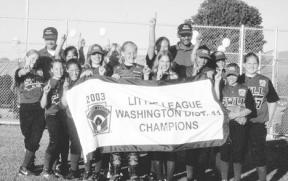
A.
x: 277, y: 162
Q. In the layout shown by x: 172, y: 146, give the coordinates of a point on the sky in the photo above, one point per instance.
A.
x: 134, y: 15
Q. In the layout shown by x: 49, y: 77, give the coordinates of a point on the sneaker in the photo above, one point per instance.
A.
x: 72, y: 175
x: 31, y: 166
x: 152, y: 176
x: 48, y: 174
x: 64, y: 169
x: 25, y: 172
x: 87, y: 176
x: 34, y: 168
x: 58, y: 173
x: 61, y: 170
x: 98, y: 176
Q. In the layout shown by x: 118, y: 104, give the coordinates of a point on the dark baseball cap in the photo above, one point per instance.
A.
x: 185, y: 29
x: 50, y: 33
x: 203, y: 54
x: 96, y: 49
x: 218, y: 55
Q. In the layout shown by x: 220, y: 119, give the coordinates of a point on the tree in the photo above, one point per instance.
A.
x: 229, y: 13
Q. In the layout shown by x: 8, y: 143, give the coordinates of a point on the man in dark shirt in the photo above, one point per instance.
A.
x: 181, y: 52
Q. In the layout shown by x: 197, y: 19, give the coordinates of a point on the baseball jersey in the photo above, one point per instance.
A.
x: 150, y: 62
x: 181, y: 58
x: 54, y: 97
x: 237, y: 97
x: 29, y: 86
x: 263, y: 92
x: 129, y: 72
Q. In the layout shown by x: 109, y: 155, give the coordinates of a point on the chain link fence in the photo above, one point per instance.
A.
x: 235, y: 41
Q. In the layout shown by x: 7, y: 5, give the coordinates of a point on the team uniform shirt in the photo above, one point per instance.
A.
x: 169, y: 75
x: 30, y: 87
x: 150, y: 62
x: 263, y: 92
x: 95, y: 71
x: 129, y: 72
x: 237, y: 97
x: 181, y: 57
x: 54, y: 97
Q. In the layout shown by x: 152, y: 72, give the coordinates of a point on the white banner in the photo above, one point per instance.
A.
x: 123, y: 117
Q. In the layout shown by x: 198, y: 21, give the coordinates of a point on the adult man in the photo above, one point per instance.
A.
x: 47, y: 54
x: 181, y: 52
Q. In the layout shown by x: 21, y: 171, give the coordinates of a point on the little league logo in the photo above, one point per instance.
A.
x: 242, y: 92
x: 262, y: 83
x: 98, y: 117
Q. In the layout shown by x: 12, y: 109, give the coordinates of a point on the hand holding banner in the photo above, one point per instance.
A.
x: 122, y: 117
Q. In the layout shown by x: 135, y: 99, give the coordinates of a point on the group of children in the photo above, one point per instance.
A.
x: 249, y: 100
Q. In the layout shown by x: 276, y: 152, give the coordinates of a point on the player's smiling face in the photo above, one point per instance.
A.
x: 70, y: 55
x: 164, y: 63
x: 201, y: 62
x: 130, y: 54
x: 31, y: 60
x: 57, y: 70
x: 251, y: 65
x: 220, y: 64
x: 96, y: 59
x: 73, y: 71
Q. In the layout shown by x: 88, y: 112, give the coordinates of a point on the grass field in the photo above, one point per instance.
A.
x: 12, y: 152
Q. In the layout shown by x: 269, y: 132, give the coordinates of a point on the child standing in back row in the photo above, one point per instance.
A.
x: 265, y: 98
x: 129, y: 70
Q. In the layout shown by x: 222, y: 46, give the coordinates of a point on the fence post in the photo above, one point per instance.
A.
x: 260, y: 62
x: 67, y: 30
x: 27, y: 24
x: 241, y: 48
x: 274, y: 62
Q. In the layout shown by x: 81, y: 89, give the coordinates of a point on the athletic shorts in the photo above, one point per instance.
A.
x: 160, y: 155
x: 234, y: 148
x: 257, y: 143
x: 197, y: 156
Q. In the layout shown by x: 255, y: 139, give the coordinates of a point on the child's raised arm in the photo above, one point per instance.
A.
x: 60, y: 47
x: 217, y: 81
x: 151, y: 46
x: 195, y: 48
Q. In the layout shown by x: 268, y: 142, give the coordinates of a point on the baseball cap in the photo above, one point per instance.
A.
x: 232, y: 70
x: 218, y: 55
x: 96, y: 49
x: 203, y: 53
x: 50, y: 33
x: 185, y: 29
